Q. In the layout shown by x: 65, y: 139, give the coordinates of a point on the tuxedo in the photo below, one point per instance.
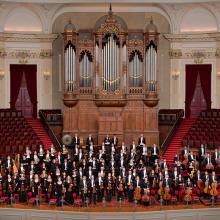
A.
x: 154, y: 151
x: 89, y: 140
x: 167, y: 182
x: 141, y: 141
x: 115, y: 141
x: 76, y: 141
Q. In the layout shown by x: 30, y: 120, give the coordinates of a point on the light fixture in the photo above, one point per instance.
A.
x: 218, y: 74
x: 2, y: 74
x: 46, y: 74
x: 175, y: 74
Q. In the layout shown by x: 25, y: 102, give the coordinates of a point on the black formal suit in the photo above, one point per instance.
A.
x: 141, y: 141
x: 76, y: 141
x: 89, y: 140
x: 114, y: 141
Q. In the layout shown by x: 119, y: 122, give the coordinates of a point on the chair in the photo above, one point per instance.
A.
x: 77, y: 201
x: 53, y: 201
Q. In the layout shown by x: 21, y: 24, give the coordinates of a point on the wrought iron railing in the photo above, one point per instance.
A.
x: 50, y: 132
x: 172, y: 132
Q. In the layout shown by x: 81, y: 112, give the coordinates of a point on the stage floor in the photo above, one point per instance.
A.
x: 109, y: 207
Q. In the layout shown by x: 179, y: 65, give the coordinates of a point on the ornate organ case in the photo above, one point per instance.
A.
x: 110, y: 77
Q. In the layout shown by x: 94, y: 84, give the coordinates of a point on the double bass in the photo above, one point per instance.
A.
x: 160, y: 191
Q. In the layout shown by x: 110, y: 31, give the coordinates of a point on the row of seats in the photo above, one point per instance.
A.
x: 169, y: 116
x: 10, y: 113
x: 52, y: 116
x: 15, y: 132
x: 206, y: 130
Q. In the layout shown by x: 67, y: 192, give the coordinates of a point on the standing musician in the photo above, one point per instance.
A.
x: 141, y: 140
x: 109, y: 187
x: 92, y: 190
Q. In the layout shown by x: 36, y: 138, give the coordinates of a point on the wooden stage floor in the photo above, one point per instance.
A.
x: 109, y: 207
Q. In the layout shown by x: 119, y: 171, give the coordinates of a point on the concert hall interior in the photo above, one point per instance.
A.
x: 109, y: 109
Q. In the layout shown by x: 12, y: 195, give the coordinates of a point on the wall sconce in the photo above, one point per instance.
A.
x: 175, y: 74
x: 2, y: 74
x: 46, y: 74
x: 218, y: 74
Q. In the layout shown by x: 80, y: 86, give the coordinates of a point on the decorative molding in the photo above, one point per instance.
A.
x: 197, y: 54
x: 24, y: 37
x: 25, y: 55
x: 207, y: 37
x: 217, y: 53
x: 175, y: 53
x: 3, y: 54
x: 45, y: 53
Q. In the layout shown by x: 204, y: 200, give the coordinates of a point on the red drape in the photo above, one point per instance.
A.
x: 192, y: 71
x: 30, y: 76
x: 205, y: 77
x: 16, y: 73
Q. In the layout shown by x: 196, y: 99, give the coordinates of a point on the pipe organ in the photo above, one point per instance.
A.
x: 70, y: 68
x: 151, y: 66
x: 110, y: 80
x: 110, y: 64
x: 85, y: 63
x: 135, y: 69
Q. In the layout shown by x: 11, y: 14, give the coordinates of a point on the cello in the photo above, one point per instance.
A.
x: 167, y: 195
x: 146, y: 198
x: 213, y: 190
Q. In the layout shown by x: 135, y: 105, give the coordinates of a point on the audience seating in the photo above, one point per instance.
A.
x: 16, y: 133
x: 169, y: 116
x: 53, y: 116
x: 206, y: 130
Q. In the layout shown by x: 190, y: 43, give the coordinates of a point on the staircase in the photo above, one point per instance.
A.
x: 40, y: 131
x: 176, y: 142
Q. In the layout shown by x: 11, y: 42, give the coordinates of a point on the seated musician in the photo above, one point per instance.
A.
x: 109, y: 187
x: 92, y: 190
x: 84, y: 191
x: 100, y: 187
x: 213, y: 178
x: 144, y: 154
x: 130, y: 186
x: 138, y: 188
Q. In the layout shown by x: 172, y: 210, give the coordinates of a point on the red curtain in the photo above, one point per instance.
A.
x: 205, y: 77
x: 192, y: 71
x: 16, y: 73
x: 30, y: 76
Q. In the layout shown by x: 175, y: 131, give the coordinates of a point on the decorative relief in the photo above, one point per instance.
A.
x: 46, y: 53
x: 217, y: 53
x: 86, y: 44
x: 25, y: 55
x: 198, y: 54
x: 3, y: 54
x: 135, y: 44
x: 175, y: 53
